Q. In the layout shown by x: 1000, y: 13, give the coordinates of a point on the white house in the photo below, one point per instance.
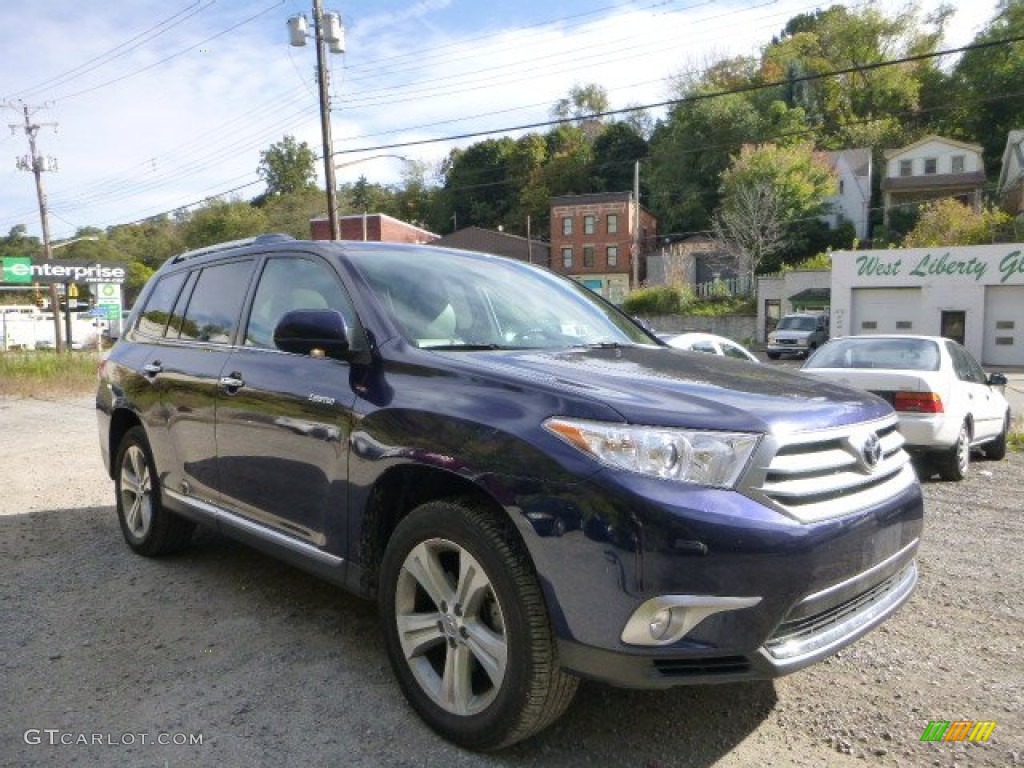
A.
x: 932, y: 168
x: 852, y: 168
x: 1011, y: 177
x: 974, y: 294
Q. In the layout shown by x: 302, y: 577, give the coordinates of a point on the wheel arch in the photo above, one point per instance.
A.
x: 400, y: 490
x: 121, y: 420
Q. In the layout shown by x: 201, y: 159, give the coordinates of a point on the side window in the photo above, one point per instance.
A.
x: 964, y: 365
x: 730, y: 351
x: 290, y: 283
x: 159, y: 305
x: 213, y: 309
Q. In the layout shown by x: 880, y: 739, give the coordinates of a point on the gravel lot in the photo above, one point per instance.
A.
x: 266, y: 666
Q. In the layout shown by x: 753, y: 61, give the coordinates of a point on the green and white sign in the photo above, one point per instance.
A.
x: 17, y: 269
x: 22, y: 270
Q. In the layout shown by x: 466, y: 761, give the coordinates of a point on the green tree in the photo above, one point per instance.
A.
x: 689, y: 151
x: 287, y: 166
x: 582, y: 103
x: 987, y: 85
x: 291, y: 212
x: 839, y: 38
x: 767, y: 192
x: 948, y: 222
x: 220, y: 221
x: 616, y: 149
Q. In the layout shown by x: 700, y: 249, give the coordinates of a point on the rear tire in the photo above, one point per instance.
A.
x: 466, y: 628
x: 996, y: 450
x: 954, y: 464
x: 148, y: 528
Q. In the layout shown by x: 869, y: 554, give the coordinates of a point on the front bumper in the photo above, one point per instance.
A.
x: 821, y: 585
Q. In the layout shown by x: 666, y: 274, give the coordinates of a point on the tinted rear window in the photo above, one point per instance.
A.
x: 213, y: 310
x: 158, y: 307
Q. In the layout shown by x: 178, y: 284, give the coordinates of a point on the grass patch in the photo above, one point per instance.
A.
x: 47, y: 373
x: 1015, y: 438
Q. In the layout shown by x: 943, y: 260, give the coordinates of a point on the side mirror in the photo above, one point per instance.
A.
x: 997, y: 380
x: 316, y: 332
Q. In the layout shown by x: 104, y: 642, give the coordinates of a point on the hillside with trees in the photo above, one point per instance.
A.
x: 737, y: 149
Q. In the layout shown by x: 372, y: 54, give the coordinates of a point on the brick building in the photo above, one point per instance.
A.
x: 591, y: 238
x: 378, y: 227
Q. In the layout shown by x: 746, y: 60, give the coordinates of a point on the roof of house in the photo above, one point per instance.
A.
x: 497, y: 242
x: 858, y: 158
x: 890, y: 153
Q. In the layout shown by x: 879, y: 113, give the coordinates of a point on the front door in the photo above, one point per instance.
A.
x: 283, y: 420
x: 954, y: 325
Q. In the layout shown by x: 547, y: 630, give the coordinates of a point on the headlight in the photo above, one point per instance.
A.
x: 687, y: 456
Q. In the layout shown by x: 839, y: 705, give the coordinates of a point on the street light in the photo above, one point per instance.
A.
x: 327, y: 32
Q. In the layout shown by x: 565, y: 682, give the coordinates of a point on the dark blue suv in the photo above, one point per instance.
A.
x: 532, y: 487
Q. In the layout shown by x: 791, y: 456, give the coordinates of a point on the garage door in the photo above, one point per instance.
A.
x: 886, y: 310
x: 1004, y: 325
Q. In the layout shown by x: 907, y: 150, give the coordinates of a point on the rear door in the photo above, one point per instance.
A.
x: 190, y: 346
x: 283, y: 420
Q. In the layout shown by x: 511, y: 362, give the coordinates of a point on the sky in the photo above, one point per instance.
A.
x: 148, y: 107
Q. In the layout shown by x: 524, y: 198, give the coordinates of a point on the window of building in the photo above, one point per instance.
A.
x: 588, y: 256
x: 931, y: 165
x: 906, y: 167
x: 612, y: 254
x: 589, y: 225
x: 957, y: 164
x: 613, y: 223
x: 567, y: 225
x: 567, y: 258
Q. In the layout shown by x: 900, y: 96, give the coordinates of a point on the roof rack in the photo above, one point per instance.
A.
x: 273, y: 237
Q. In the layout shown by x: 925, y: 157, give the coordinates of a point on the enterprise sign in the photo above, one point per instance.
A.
x: 21, y: 269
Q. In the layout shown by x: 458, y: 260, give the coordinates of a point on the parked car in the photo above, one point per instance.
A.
x: 945, y: 402
x: 712, y: 344
x: 798, y: 334
x: 529, y: 486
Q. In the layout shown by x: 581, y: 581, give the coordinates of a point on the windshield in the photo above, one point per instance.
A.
x: 892, y: 354
x: 451, y: 299
x: 791, y: 323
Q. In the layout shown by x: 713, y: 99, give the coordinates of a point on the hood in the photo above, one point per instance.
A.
x: 669, y: 387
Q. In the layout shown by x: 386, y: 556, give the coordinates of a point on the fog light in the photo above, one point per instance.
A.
x: 660, y: 624
x: 666, y: 619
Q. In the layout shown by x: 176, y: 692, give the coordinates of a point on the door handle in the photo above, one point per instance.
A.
x: 231, y: 383
x: 152, y: 369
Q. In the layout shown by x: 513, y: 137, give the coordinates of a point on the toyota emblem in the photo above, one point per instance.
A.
x: 872, y: 451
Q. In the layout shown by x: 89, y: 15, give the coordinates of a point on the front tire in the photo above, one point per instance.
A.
x: 148, y: 528
x: 954, y: 464
x: 466, y: 628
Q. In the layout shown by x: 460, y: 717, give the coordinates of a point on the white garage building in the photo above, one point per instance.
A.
x: 974, y: 294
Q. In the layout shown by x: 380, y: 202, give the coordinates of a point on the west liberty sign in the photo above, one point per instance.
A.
x: 22, y: 270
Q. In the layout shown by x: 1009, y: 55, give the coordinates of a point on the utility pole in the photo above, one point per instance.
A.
x: 634, y: 249
x: 37, y: 165
x: 327, y: 31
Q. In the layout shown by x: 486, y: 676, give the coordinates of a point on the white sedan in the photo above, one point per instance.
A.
x: 945, y: 403
x: 710, y: 343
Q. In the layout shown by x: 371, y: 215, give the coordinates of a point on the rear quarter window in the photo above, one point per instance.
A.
x: 158, y: 307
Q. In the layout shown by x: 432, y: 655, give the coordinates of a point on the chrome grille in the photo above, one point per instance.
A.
x: 814, y: 476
